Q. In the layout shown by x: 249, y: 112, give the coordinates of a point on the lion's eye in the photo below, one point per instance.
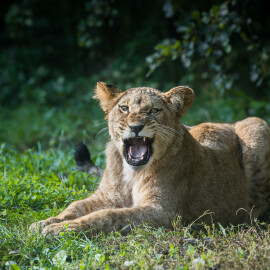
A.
x: 124, y: 108
x: 155, y: 111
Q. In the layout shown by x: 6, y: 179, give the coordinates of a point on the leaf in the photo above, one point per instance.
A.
x: 181, y: 29
x: 195, y: 15
x: 223, y: 11
x: 13, y: 265
x: 60, y: 257
x: 198, y: 261
x: 244, y: 36
x: 214, y: 10
x: 228, y: 48
x: 222, y: 229
x: 168, y: 9
x: 16, y: 251
x: 128, y: 263
x: 254, y: 76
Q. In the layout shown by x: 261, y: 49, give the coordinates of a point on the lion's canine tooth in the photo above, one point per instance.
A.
x: 144, y: 139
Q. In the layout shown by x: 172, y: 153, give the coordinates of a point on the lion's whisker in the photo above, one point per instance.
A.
x: 96, y: 125
x: 172, y: 129
x: 167, y: 132
x: 102, y: 130
x: 166, y: 136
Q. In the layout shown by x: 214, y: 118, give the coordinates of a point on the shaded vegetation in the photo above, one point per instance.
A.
x: 53, y: 53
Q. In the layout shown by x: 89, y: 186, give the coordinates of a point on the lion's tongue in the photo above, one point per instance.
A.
x: 138, y: 150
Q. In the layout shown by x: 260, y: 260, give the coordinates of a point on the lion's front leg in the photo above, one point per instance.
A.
x: 113, y: 219
x: 98, y: 200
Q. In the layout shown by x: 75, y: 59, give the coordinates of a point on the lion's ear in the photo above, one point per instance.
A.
x: 180, y: 99
x: 107, y: 95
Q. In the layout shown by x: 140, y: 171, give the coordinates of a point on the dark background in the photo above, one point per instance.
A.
x: 52, y: 53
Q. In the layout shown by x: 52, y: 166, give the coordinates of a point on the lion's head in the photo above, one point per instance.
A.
x: 143, y: 121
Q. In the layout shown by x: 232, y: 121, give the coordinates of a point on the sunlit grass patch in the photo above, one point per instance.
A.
x: 39, y: 184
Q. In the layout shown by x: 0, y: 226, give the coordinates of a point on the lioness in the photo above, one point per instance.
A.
x: 158, y: 169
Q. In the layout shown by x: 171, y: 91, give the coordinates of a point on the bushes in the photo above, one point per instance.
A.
x: 53, y: 53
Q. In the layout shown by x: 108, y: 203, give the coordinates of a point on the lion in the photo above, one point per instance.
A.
x: 158, y: 169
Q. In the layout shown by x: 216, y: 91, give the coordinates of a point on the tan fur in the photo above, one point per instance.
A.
x: 217, y: 167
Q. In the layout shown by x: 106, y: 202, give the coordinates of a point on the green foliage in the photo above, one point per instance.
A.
x: 217, y: 47
x: 98, y: 13
x: 43, y: 48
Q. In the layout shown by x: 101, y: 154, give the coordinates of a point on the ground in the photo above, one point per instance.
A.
x: 37, y: 184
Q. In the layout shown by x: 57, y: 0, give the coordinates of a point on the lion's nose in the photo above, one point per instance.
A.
x: 136, y: 129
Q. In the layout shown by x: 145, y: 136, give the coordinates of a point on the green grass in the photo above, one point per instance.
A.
x: 38, y: 184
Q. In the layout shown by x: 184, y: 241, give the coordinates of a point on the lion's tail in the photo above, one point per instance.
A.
x: 83, y: 160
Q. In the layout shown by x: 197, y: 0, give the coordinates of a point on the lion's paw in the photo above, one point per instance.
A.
x: 43, y: 223
x: 53, y: 229
x: 56, y: 228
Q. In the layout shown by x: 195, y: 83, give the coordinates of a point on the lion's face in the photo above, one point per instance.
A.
x: 142, y: 121
x: 138, y: 123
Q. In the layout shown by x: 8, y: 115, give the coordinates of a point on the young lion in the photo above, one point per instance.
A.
x: 158, y: 169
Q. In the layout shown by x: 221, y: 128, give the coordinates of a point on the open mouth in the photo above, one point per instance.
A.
x: 138, y: 150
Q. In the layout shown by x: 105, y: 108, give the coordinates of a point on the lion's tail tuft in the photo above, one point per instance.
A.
x: 83, y: 160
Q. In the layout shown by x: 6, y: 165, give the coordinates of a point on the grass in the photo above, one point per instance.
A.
x: 33, y: 187
x: 38, y: 184
x: 38, y: 180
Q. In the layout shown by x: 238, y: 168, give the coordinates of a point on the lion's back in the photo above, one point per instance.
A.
x: 254, y: 136
x: 249, y: 140
x: 216, y: 136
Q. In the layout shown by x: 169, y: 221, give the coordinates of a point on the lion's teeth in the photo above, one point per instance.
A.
x: 144, y: 139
